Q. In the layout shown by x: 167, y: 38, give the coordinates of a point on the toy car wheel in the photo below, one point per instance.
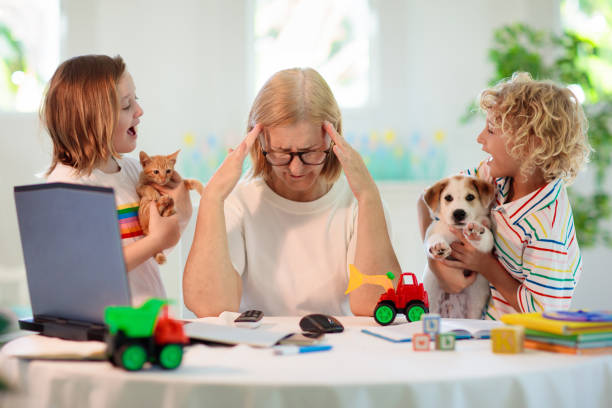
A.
x: 132, y: 357
x: 384, y: 314
x: 414, y: 311
x: 113, y: 359
x: 170, y: 356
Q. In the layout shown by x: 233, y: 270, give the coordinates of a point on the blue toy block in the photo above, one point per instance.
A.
x: 431, y: 324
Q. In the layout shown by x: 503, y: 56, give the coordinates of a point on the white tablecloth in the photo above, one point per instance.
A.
x: 360, y: 370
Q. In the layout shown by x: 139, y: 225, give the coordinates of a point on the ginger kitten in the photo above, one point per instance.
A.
x: 158, y: 170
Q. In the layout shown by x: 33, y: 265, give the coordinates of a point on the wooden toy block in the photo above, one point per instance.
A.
x: 431, y: 324
x: 508, y: 339
x: 445, y: 341
x: 420, y: 342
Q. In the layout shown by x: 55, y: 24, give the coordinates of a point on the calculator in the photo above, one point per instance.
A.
x: 250, y: 319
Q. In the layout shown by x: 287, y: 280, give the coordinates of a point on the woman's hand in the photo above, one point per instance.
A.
x: 359, y: 178
x: 176, y: 189
x: 227, y: 175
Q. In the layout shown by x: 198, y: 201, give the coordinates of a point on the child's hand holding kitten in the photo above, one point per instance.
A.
x: 158, y: 181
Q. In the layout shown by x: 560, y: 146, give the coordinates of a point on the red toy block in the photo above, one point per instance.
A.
x: 420, y: 342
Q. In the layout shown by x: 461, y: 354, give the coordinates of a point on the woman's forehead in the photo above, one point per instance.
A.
x: 296, y: 135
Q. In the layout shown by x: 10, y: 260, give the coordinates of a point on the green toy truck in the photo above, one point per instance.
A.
x: 146, y: 333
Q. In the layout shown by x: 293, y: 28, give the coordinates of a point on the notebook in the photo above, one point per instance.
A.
x: 536, y: 321
x: 461, y: 328
x: 557, y: 348
x: 73, y: 258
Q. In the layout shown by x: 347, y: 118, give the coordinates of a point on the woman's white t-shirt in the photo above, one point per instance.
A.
x: 292, y: 256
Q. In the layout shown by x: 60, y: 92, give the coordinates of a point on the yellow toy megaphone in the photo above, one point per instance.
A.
x: 356, y: 279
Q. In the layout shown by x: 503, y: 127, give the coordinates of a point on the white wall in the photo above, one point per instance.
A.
x: 191, y: 62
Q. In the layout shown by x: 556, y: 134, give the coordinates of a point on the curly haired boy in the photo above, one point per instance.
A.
x: 536, y: 136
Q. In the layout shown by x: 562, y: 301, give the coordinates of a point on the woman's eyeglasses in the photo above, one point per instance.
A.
x: 310, y: 158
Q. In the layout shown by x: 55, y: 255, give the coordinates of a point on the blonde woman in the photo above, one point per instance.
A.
x: 536, y: 137
x: 281, y: 240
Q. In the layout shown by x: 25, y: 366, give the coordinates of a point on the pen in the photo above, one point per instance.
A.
x: 288, y: 350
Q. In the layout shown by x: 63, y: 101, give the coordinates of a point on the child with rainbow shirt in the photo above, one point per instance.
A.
x: 91, y: 114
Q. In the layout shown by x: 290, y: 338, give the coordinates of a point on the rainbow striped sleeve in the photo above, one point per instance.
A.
x: 470, y: 172
x: 535, y: 241
x: 552, y: 261
x: 128, y: 220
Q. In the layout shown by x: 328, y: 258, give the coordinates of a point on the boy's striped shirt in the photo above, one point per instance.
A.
x: 129, y: 226
x: 535, y: 241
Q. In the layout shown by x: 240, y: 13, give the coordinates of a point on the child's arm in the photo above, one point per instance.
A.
x: 552, y: 270
x: 549, y: 267
x: 488, y: 266
x: 451, y: 279
x: 163, y: 233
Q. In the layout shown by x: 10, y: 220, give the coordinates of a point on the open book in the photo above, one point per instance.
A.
x: 461, y: 328
x: 219, y: 333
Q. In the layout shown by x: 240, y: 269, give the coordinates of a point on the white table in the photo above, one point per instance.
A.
x: 360, y: 370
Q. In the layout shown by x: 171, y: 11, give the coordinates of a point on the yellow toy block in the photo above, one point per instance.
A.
x: 508, y: 339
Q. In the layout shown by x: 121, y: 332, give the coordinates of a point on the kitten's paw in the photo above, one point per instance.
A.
x: 164, y: 201
x: 440, y: 250
x: 165, y: 206
x: 473, y: 231
x: 160, y: 258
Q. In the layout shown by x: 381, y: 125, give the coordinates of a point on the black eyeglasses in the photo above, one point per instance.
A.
x: 310, y: 158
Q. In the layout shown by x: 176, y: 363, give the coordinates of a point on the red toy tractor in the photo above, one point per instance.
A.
x: 409, y: 298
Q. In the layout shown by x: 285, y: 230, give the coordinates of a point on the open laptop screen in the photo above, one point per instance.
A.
x: 72, y: 250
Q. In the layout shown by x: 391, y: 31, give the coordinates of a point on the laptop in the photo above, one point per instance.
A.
x: 73, y: 258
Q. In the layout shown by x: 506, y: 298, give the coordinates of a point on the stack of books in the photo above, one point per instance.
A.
x: 572, y: 332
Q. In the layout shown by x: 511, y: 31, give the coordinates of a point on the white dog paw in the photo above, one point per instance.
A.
x: 440, y: 250
x: 473, y: 231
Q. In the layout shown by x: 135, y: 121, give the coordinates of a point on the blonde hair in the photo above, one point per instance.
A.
x: 80, y: 110
x: 543, y: 123
x: 288, y: 97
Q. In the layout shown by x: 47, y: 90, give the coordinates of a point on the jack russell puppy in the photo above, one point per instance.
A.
x: 462, y: 202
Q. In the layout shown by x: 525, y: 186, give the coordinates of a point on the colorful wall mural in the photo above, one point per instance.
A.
x: 389, y: 155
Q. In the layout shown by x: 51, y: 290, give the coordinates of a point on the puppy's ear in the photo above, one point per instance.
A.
x: 485, y: 191
x: 144, y: 158
x: 432, y: 195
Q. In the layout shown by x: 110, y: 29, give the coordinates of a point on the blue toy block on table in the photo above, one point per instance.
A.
x: 431, y: 324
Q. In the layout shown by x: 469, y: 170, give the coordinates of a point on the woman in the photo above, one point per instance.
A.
x: 281, y: 241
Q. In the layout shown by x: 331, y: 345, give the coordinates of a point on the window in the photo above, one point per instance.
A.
x: 29, y: 51
x: 591, y: 19
x: 332, y: 37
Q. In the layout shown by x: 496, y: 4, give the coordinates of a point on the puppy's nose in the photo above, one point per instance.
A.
x: 459, y: 215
